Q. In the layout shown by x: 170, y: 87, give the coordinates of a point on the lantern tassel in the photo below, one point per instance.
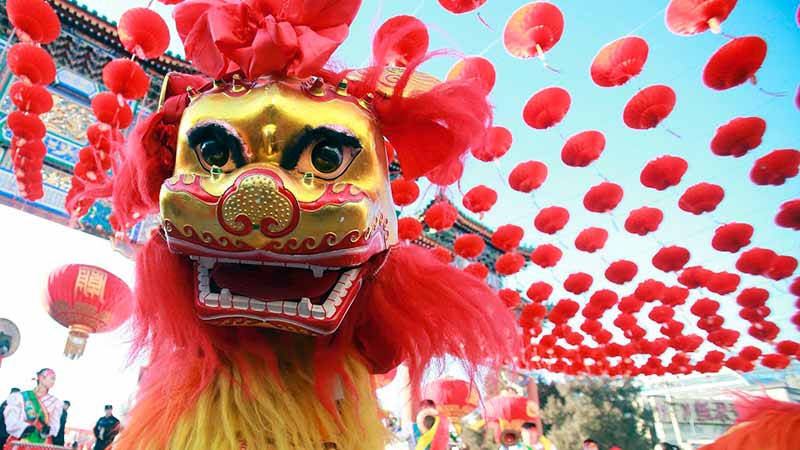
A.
x: 76, y: 341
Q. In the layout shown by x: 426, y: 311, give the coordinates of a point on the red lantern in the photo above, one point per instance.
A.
x: 110, y: 111
x: 755, y: 261
x: 603, y: 197
x: 531, y: 315
x: 509, y: 263
x: 750, y: 353
x: 34, y: 20
x: 453, y: 397
x: 447, y: 174
x: 661, y: 314
x: 478, y: 270
x: 546, y: 108
x: 551, y: 220
x: 480, y: 199
x: 649, y: 290
x: 621, y: 272
x: 649, y: 107
x: 775, y: 361
x: 591, y: 239
x: 441, y: 216
x: 782, y: 267
x: 663, y: 172
x: 723, y: 283
x: 539, y: 291
x: 578, y: 283
x: 546, y: 255
x: 31, y: 98
x: 643, y: 220
x: 704, y: 307
x: 687, y: 17
x: 700, y: 198
x: 752, y: 297
x: 461, y: 6
x: 788, y: 348
x: 675, y: 295
x: 143, y: 33
x: 469, y: 245
x: 86, y: 299
x: 735, y: 62
x: 510, y: 297
x: 31, y: 63
x: 776, y: 167
x: 533, y: 29
x: 619, y: 61
x: 498, y: 142
x: 404, y: 192
x: 507, y: 237
x: 671, y: 259
x: 604, y: 299
x: 527, y: 176
x: 26, y: 126
x: 763, y: 331
x: 442, y: 254
x: 732, y: 237
x: 563, y: 310
x: 789, y: 215
x: 583, y: 148
x: 474, y: 68
x: 126, y: 78
x: 409, y: 228
x: 738, y: 136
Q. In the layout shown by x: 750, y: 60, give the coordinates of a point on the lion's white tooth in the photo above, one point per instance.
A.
x: 225, y: 298
x: 257, y: 305
x: 205, y: 261
x: 275, y: 307
x: 318, y: 312
x: 212, y: 300
x: 290, y: 308
x: 241, y: 302
x: 304, y: 308
x: 318, y: 271
x: 330, y: 308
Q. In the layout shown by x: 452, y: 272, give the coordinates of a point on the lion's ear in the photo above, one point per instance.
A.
x: 176, y: 83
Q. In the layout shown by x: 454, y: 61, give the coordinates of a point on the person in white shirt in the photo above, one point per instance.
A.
x: 34, y: 416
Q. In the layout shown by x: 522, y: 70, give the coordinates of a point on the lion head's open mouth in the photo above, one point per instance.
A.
x: 289, y: 296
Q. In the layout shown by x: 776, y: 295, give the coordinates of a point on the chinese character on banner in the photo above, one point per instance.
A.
x: 702, y: 411
x: 91, y: 282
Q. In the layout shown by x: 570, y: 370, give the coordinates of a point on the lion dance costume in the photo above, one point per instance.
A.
x: 276, y: 284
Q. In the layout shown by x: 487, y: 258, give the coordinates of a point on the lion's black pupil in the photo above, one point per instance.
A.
x: 214, y: 153
x: 326, y: 157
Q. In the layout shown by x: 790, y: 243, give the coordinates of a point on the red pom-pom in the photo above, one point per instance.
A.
x: 789, y: 215
x: 764, y: 331
x: 442, y: 254
x: 732, y: 237
x: 403, y: 39
x: 584, y: 148
x: 404, y: 192
x: 603, y: 197
x: 469, y: 245
x: 643, y: 220
x: 478, y: 270
x: 126, y: 78
x: 446, y: 174
x: 552, y: 219
x: 661, y: 314
x: 31, y: 63
x: 621, y: 272
x: 441, y: 216
x: 539, y: 291
x: 31, y: 98
x: 578, y: 283
x: 723, y: 283
x: 507, y: 237
x: 527, y: 176
x: 649, y: 290
x: 591, y: 239
x: 783, y: 266
x: 143, y: 33
x: 409, y: 228
x: 750, y: 353
x: 788, y: 348
x: 26, y: 126
x: 723, y: 337
x: 671, y: 259
x: 701, y: 198
x: 775, y: 361
x: 675, y: 295
x: 695, y: 277
x: 498, y: 142
x: 663, y: 172
x: 776, y: 167
x: 34, y: 20
x: 546, y: 255
x: 509, y: 263
x: 563, y: 310
x: 738, y: 136
x: 755, y: 261
x: 110, y: 111
x: 546, y: 108
x: 752, y: 297
x: 480, y: 199
x: 604, y: 299
x: 510, y: 297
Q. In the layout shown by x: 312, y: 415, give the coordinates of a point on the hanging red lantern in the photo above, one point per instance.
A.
x: 649, y: 107
x: 474, y: 68
x: 621, y: 272
x: 447, y: 174
x: 539, y: 291
x: 33, y: 20
x: 723, y: 283
x: 527, y: 176
x: 401, y: 39
x: 604, y: 299
x: 687, y: 17
x: 649, y: 290
x: 109, y: 110
x: 732, y: 237
x: 478, y: 270
x: 404, y: 192
x: 755, y: 261
x: 788, y: 348
x: 674, y: 295
x: 619, y: 61
x: 86, y: 299
x: 498, y: 142
x: 701, y: 198
x: 663, y: 172
x: 563, y: 310
x: 775, y: 361
x: 752, y: 297
x: 510, y: 297
x: 533, y: 29
x: 480, y: 199
x: 509, y: 264
x: 31, y: 63
x: 578, y: 283
x: 643, y: 220
x: 126, y: 78
x: 461, y: 6
x: 775, y: 167
x: 661, y: 314
x: 409, y: 228
x: 704, y: 307
x: 789, y: 215
x: 750, y: 353
x: 671, y: 259
x: 546, y: 108
x: 469, y: 246
x: 583, y: 148
x: 603, y: 197
x: 551, y: 220
x: 764, y: 330
x: 442, y: 254
x: 26, y: 126
x: 738, y: 136
x: 441, y: 216
x: 783, y: 266
x: 143, y: 33
x: 546, y: 255
x: 532, y: 315
x: 591, y: 239
x: 735, y: 62
x: 31, y: 98
x: 507, y: 237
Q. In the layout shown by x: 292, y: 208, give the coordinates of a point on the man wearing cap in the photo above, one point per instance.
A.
x: 106, y: 429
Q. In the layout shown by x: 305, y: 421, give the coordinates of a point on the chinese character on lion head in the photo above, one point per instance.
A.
x: 276, y: 284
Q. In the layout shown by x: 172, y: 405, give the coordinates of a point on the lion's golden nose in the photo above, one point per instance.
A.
x: 258, y: 200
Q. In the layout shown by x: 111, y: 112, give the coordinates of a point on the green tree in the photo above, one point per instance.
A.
x: 603, y: 409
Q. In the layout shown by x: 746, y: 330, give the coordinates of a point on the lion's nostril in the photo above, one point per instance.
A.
x: 258, y: 201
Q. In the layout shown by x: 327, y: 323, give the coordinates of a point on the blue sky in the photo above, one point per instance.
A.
x: 673, y: 60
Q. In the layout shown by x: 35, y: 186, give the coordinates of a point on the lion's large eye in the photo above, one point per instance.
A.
x: 326, y: 159
x: 217, y: 146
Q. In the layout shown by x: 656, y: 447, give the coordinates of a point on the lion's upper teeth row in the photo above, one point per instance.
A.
x: 302, y: 308
x: 208, y: 262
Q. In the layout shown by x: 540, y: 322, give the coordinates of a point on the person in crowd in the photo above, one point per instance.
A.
x: 534, y: 439
x: 34, y: 416
x: 59, y: 438
x: 590, y: 444
x: 3, y: 433
x: 106, y: 429
x: 666, y: 446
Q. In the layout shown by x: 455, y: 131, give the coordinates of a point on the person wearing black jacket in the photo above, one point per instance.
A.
x: 106, y: 429
x: 3, y: 432
x: 59, y: 438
